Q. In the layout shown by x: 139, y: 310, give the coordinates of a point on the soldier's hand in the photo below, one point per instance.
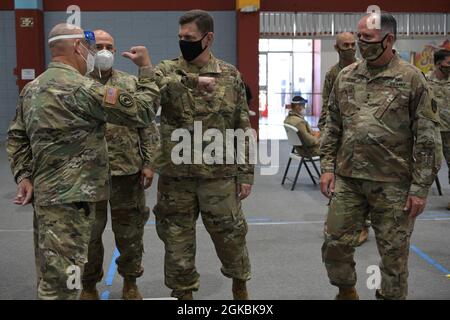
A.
x: 414, y: 206
x: 146, y: 178
x: 139, y: 55
x: 207, y: 84
x: 244, y: 190
x: 24, y: 193
x: 327, y: 184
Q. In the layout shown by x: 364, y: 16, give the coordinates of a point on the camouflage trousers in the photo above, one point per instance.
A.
x: 352, y: 201
x: 61, y: 238
x: 446, y: 149
x: 179, y: 202
x: 128, y: 218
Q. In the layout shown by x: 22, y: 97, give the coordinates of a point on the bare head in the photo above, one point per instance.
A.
x: 345, y: 41
x: 73, y: 51
x: 104, y: 41
x: 196, y: 25
x: 345, y: 47
x: 376, y: 42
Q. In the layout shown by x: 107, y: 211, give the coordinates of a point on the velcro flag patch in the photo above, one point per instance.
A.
x: 111, y: 95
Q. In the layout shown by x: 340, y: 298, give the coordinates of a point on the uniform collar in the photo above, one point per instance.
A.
x: 211, y: 67
x: 61, y: 65
x: 293, y: 113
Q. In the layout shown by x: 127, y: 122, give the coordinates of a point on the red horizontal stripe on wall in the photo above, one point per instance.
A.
x: 7, y: 5
x: 141, y: 5
x: 355, y: 5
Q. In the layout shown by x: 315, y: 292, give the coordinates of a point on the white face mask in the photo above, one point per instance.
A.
x: 104, y: 60
x: 90, y: 61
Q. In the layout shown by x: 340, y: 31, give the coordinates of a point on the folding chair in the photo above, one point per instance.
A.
x: 294, y: 141
x: 438, y: 185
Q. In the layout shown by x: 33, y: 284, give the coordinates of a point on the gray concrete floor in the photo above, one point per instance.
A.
x: 284, y: 241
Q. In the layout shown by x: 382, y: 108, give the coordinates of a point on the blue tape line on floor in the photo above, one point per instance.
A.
x: 112, y: 268
x: 428, y: 259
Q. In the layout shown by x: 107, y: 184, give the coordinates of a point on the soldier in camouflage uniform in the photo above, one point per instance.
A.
x: 379, y: 156
x: 56, y: 144
x: 131, y: 152
x: 215, y: 190
x: 346, y: 48
x: 439, y: 83
x: 310, y: 139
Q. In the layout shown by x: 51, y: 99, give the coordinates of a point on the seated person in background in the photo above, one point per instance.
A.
x: 310, y: 139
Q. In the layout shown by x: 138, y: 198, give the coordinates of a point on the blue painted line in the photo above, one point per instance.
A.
x: 428, y: 259
x: 112, y: 268
x: 105, y: 295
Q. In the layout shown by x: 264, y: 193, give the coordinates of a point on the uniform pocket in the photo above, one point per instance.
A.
x: 380, y: 112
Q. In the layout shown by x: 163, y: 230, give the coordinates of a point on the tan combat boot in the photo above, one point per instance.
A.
x: 363, y: 236
x: 240, y: 290
x: 89, y: 292
x: 130, y: 290
x: 347, y: 294
x: 182, y: 295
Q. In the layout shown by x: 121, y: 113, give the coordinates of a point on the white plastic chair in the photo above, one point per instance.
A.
x: 295, y: 141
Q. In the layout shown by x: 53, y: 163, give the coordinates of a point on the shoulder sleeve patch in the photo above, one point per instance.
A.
x: 126, y: 100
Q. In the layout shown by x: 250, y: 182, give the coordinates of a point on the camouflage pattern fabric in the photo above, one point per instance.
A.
x: 129, y: 149
x: 382, y: 126
x: 383, y: 202
x: 129, y: 215
x: 57, y: 138
x: 62, y: 236
x: 182, y: 104
x: 441, y: 94
x: 179, y: 202
x: 330, y: 78
x: 311, y: 144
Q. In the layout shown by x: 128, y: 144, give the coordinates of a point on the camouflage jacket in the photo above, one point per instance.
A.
x: 304, y: 129
x: 382, y: 126
x: 57, y: 138
x: 441, y: 93
x: 182, y: 105
x: 129, y: 149
x: 330, y: 77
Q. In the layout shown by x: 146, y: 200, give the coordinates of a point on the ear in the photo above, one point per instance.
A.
x: 210, y: 37
x: 76, y: 46
x: 336, y: 48
x: 390, y: 39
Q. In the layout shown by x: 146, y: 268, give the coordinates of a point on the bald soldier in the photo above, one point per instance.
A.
x: 57, y: 151
x: 439, y: 82
x: 379, y: 156
x: 345, y: 46
x: 131, y: 152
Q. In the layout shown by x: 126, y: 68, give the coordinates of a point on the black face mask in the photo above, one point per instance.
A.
x: 192, y: 49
